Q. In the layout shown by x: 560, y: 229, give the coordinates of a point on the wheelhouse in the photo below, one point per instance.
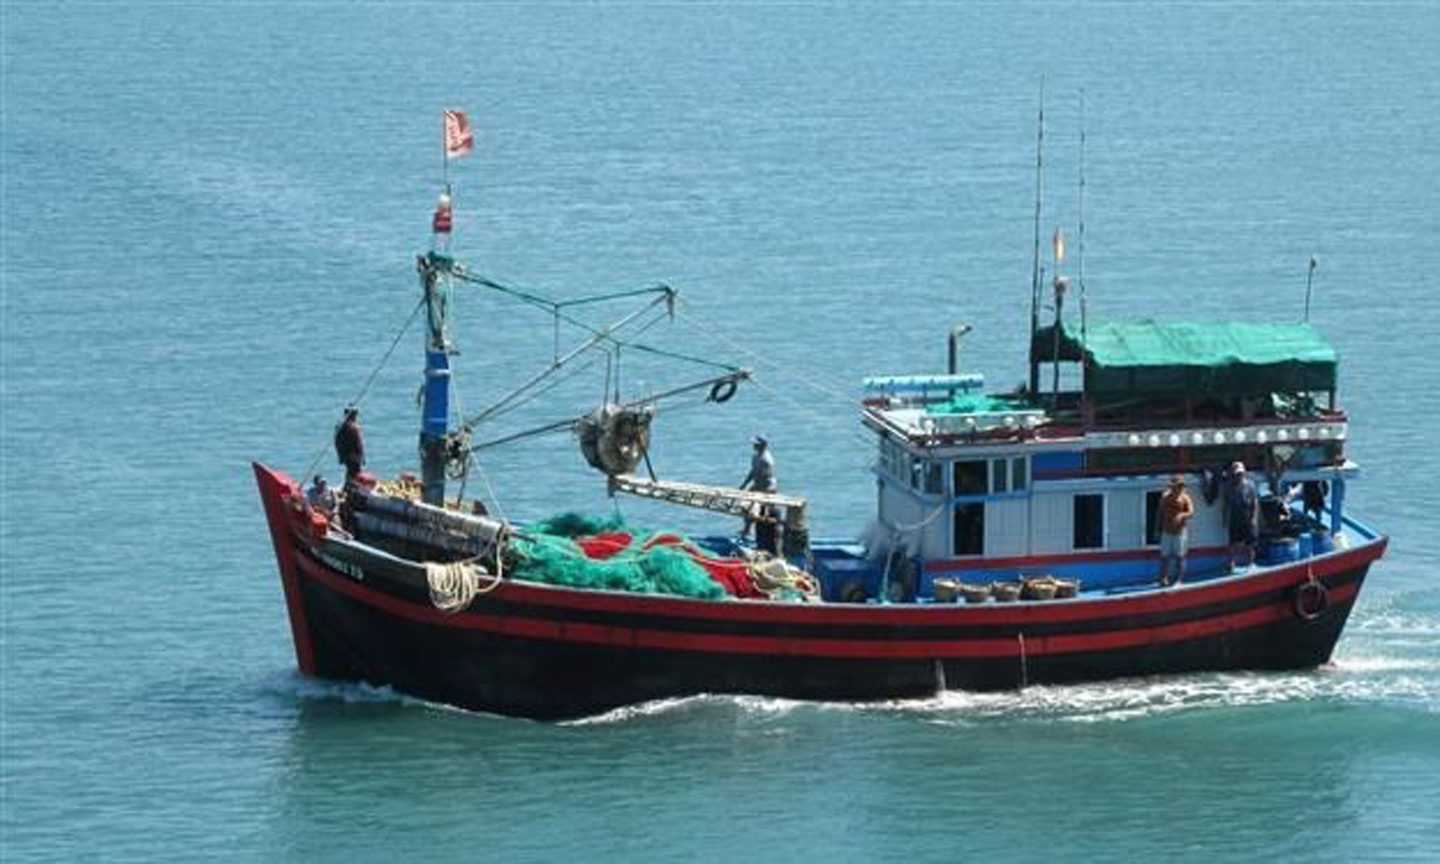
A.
x: 1067, y: 482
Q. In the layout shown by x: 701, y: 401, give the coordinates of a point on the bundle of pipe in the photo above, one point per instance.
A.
x: 484, y: 529
x: 432, y: 538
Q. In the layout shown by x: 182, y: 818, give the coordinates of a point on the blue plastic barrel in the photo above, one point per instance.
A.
x: 1278, y: 550
x: 1307, y: 545
x: 1322, y: 541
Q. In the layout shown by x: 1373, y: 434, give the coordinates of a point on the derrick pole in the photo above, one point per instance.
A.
x: 435, y: 410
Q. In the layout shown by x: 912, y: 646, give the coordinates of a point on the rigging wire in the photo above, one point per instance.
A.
x: 715, y: 331
x: 365, y: 390
x: 846, y: 430
x: 527, y: 399
x: 597, y: 338
x: 666, y: 293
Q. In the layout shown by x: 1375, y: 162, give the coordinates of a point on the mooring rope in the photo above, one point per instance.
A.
x: 454, y: 586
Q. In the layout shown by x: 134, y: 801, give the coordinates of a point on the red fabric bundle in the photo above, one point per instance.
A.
x: 732, y: 574
x: 602, y: 546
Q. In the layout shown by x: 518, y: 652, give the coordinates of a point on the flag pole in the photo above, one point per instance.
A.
x: 444, y: 154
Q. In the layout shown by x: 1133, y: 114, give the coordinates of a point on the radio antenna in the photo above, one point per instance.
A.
x: 1082, y: 221
x: 1035, y: 274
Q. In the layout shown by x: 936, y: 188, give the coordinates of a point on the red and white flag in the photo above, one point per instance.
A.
x: 459, y: 140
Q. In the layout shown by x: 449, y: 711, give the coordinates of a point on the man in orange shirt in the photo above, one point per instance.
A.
x: 1176, y: 508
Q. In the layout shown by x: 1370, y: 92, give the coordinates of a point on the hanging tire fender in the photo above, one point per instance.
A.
x: 722, y: 391
x: 1311, y: 600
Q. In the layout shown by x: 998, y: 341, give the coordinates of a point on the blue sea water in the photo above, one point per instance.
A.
x: 208, y: 216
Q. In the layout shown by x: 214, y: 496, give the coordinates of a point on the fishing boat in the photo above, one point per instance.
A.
x: 1016, y: 539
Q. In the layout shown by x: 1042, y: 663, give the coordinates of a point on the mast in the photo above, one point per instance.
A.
x: 1035, y: 275
x: 456, y: 140
x: 1083, y: 316
x: 1085, y: 407
x: 435, y: 410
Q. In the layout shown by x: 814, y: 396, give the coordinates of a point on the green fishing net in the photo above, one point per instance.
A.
x: 571, y: 524
x: 547, y: 553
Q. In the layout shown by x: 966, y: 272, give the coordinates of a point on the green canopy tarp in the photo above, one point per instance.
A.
x: 1148, y: 358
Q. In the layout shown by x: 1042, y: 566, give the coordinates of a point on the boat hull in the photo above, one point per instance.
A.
x: 554, y: 653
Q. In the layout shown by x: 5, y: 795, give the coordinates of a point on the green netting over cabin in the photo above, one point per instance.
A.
x: 1148, y: 358
x: 976, y: 403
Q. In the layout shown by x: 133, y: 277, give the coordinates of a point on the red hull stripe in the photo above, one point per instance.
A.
x: 598, y: 634
x: 1202, y: 594
x: 271, y: 487
x: 1214, y: 592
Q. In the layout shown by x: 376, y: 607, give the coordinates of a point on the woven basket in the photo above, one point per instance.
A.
x: 1005, y: 592
x: 1039, y: 588
x: 975, y: 593
x: 945, y: 590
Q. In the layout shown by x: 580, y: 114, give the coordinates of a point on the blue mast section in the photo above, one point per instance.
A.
x: 435, y: 410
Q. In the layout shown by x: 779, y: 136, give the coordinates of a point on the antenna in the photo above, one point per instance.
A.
x: 1061, y: 284
x: 1035, y: 277
x: 1081, y: 254
x: 1309, y: 278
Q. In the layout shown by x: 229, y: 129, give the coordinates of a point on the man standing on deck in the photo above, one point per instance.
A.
x: 762, y: 468
x: 760, y: 479
x: 1242, y: 515
x: 350, y: 444
x: 1176, y: 508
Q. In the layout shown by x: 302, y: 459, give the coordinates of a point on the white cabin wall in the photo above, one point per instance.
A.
x: 935, y: 537
x: 1053, y: 514
x: 1207, y: 526
x: 1007, y: 527
x: 900, y: 508
x: 1125, y: 514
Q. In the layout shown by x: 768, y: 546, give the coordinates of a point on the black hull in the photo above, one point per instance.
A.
x: 551, y: 653
x: 540, y: 679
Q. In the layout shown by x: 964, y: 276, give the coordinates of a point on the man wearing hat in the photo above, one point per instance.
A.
x: 1242, y: 515
x: 350, y: 444
x: 761, y: 479
x: 762, y: 468
x: 1176, y: 508
x: 320, y: 496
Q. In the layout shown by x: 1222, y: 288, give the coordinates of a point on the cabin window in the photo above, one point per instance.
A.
x: 1019, y: 476
x: 1089, y: 521
x: 917, y: 468
x: 970, y: 478
x: 999, y: 476
x: 1152, y: 518
x: 934, y: 479
x: 970, y: 529
x: 892, y: 459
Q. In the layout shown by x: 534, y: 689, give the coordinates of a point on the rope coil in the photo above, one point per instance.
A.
x: 454, y: 586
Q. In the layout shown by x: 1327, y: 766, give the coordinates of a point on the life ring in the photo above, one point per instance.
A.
x: 1311, y: 600
x: 722, y: 391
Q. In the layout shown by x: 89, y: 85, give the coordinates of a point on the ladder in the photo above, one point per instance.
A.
x: 718, y: 499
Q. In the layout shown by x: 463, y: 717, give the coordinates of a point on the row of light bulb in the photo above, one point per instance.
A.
x: 1239, y: 436
x: 969, y: 424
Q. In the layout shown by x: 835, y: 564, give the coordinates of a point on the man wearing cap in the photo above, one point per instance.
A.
x: 1242, y: 515
x: 320, y: 496
x: 762, y: 468
x: 1176, y: 508
x: 760, y: 479
x: 350, y: 444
